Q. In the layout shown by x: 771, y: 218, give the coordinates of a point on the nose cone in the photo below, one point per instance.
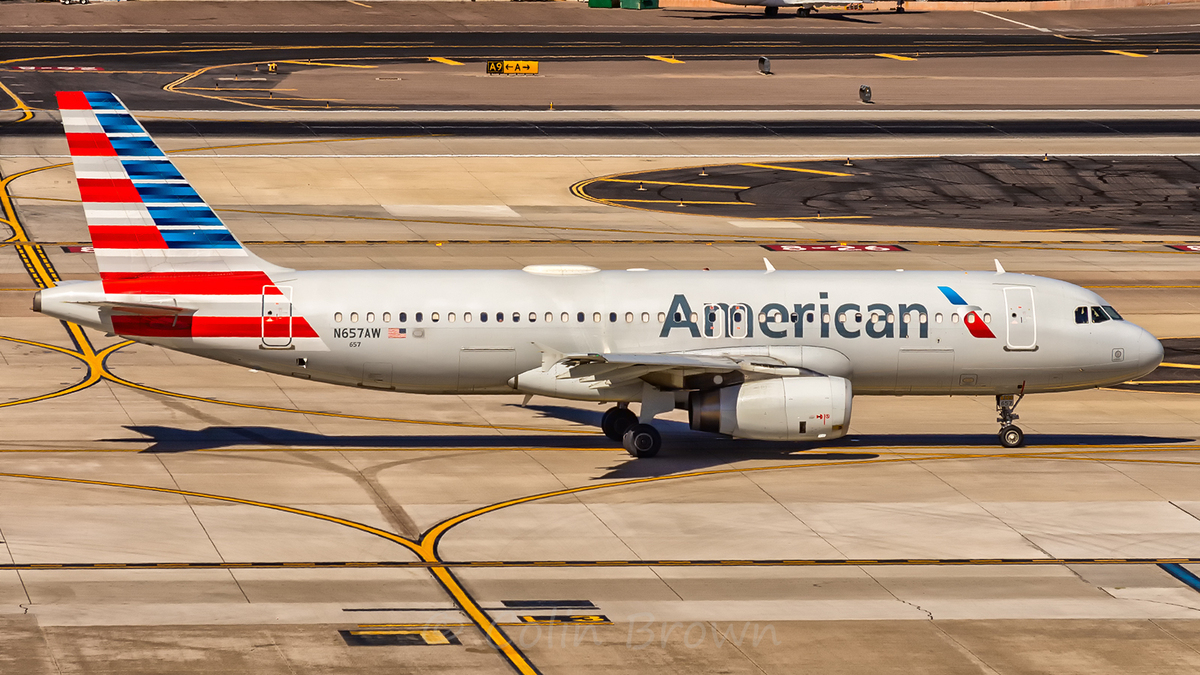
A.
x: 1150, y: 353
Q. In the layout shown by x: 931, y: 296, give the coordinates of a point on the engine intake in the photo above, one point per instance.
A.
x: 779, y: 409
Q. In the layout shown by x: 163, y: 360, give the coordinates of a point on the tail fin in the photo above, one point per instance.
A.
x: 151, y: 232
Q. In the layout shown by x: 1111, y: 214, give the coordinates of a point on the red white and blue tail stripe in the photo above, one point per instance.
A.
x: 156, y: 240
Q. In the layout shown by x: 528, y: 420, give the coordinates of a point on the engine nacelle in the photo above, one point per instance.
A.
x: 779, y: 409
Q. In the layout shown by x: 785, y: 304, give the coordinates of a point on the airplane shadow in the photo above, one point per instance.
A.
x: 701, y: 15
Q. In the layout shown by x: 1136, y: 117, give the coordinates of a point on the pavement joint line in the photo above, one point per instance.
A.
x: 1026, y: 25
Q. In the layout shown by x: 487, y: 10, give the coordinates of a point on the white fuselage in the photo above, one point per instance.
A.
x: 921, y: 343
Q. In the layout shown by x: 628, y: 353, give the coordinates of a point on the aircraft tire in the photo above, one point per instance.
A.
x: 1011, y: 436
x: 642, y: 440
x: 771, y: 11
x: 804, y: 11
x: 616, y: 422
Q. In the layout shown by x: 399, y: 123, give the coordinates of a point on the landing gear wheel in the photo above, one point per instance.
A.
x: 642, y: 440
x: 616, y: 422
x: 1011, y: 436
x: 804, y: 11
x: 771, y: 11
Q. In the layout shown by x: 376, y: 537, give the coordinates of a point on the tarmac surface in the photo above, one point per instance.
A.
x: 162, y: 513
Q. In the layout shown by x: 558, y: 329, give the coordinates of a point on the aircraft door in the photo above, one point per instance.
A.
x: 277, y: 316
x: 739, y: 320
x: 1022, y: 327
x: 714, y: 320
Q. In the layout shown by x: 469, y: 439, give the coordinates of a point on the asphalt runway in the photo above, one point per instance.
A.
x: 163, y: 513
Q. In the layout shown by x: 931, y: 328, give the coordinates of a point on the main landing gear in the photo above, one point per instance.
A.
x: 1010, y: 435
x: 621, y: 425
x: 771, y: 11
x: 805, y: 11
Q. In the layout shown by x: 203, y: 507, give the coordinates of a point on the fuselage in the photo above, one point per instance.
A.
x: 477, y: 331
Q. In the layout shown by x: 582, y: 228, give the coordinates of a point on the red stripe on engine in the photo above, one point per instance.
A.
x: 72, y: 100
x: 208, y: 327
x: 91, y: 145
x: 189, y: 283
x: 126, y: 236
x: 108, y: 190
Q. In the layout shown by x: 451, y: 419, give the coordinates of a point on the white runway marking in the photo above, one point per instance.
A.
x: 1044, y: 30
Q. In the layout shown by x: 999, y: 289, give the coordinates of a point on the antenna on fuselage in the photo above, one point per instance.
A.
x: 999, y: 267
x: 770, y: 267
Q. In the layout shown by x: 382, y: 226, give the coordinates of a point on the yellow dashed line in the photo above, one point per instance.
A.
x: 1119, y: 52
x: 665, y: 59
x: 896, y: 57
x: 449, y: 62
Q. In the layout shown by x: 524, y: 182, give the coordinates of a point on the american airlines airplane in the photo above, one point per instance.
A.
x: 770, y: 355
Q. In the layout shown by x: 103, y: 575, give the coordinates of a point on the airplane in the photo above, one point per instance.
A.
x: 771, y: 355
x: 803, y: 7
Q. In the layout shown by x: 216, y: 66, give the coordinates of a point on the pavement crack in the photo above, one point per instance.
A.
x: 919, y: 608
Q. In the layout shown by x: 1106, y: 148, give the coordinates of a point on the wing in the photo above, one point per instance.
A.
x: 667, y: 371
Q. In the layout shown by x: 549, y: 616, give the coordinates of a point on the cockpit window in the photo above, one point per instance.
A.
x: 1112, y: 312
x: 1081, y: 315
x: 1098, y: 315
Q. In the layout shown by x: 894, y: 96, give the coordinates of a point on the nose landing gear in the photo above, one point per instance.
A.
x: 1010, y: 434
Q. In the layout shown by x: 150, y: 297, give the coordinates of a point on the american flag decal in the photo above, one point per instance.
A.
x: 397, y: 332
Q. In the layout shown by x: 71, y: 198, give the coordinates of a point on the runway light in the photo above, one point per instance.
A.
x: 703, y: 172
x: 848, y: 162
x: 1046, y: 158
x: 641, y: 188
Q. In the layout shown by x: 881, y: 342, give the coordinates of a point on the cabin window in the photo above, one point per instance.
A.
x: 533, y: 317
x: 953, y: 318
x: 795, y: 317
x: 645, y: 317
x: 579, y: 317
x: 354, y: 317
x: 450, y: 317
x: 566, y: 318
x: 842, y: 318
x: 516, y: 317
x: 403, y: 317
x: 811, y: 317
x: 417, y: 318
x: 337, y: 317
x: 678, y: 317
x: 695, y: 317
x: 987, y: 318
x: 612, y: 317
x: 923, y: 318
x: 483, y: 317
x: 937, y: 317
x: 499, y: 317
x: 907, y: 317
x: 387, y: 317
x: 858, y: 317
x: 434, y: 317
x: 370, y: 317
x: 825, y: 317
x: 662, y: 317
x: 628, y: 317
x: 1081, y: 315
x: 891, y: 317
x: 466, y: 317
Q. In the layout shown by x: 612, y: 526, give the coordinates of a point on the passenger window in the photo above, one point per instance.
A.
x: 953, y: 318
x: 1112, y: 312
x: 533, y: 317
x: 387, y: 317
x: 403, y: 317
x: 566, y: 318
x: 1098, y: 315
x: 678, y: 317
x: 354, y: 316
x: 370, y: 317
x: 1081, y: 315
x: 987, y: 318
x: 417, y: 318
x: 579, y: 317
x: 662, y: 317
x: 645, y: 317
x: 450, y: 317
x: 516, y: 317
x: 937, y: 317
x: 434, y: 317
x: 612, y: 317
x: 596, y: 317
x: 628, y: 317
x: 466, y: 317
x: 499, y: 317
x: 337, y: 317
x: 483, y: 317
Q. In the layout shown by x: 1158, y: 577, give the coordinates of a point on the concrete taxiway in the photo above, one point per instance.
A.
x: 162, y: 513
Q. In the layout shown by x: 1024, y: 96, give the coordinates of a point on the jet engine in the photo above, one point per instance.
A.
x: 778, y: 409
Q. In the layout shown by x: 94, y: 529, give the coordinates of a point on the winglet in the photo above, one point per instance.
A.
x: 999, y: 267
x: 770, y: 267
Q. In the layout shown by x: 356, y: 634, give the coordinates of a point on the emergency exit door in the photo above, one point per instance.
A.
x: 277, y: 316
